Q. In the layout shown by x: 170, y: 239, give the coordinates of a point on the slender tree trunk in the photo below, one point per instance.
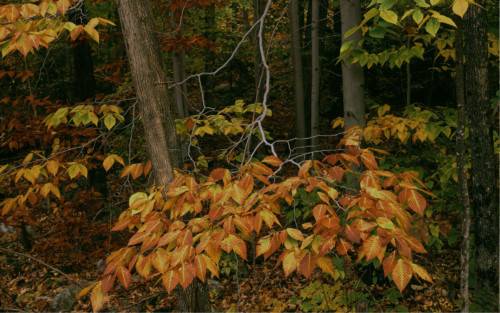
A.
x: 408, y: 77
x: 84, y: 87
x: 300, y: 123
x: 84, y: 82
x: 484, y: 189
x: 462, y: 173
x: 149, y: 77
x: 179, y: 76
x: 315, y: 73
x: 352, y: 74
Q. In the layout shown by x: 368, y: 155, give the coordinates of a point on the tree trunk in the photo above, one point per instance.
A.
x: 352, y: 74
x: 484, y: 191
x: 315, y: 73
x: 179, y: 76
x: 83, y: 82
x: 178, y: 71
x: 149, y: 77
x: 84, y: 87
x: 300, y: 123
x: 462, y: 173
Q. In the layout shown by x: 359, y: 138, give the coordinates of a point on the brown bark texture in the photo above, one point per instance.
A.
x: 484, y: 188
x: 149, y: 78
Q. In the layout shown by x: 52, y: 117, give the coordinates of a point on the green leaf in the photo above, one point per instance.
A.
x: 422, y: 3
x: 385, y: 223
x: 417, y: 16
x: 389, y: 16
x: 351, y: 31
x: 432, y: 26
x: 377, y: 32
x: 407, y: 13
x: 369, y: 15
x: 435, y: 2
x: 386, y: 4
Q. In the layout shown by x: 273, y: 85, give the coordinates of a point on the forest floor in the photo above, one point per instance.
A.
x: 29, y: 285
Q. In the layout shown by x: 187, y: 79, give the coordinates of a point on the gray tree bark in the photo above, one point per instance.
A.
x: 149, y: 77
x: 352, y: 74
x: 484, y: 188
x: 157, y: 113
x: 298, y: 77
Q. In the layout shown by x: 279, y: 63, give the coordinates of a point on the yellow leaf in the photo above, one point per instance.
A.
x: 421, y: 272
x: 136, y: 197
x: 110, y: 160
x: 295, y: 234
x: 389, y: 16
x: 85, y: 291
x: 289, y: 263
x: 381, y: 110
x: 263, y: 245
x: 460, y: 7
x: 77, y: 169
x: 28, y: 158
x: 52, y: 167
x: 338, y: 122
x: 109, y: 121
x: 325, y: 264
x: 444, y: 19
x: 97, y: 298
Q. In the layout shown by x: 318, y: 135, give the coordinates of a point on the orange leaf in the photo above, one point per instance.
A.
x: 170, y: 280
x: 307, y: 265
x: 343, y: 247
x: 201, y: 267
x: 186, y: 274
x: 368, y: 159
x: 211, y: 266
x: 326, y: 265
x: 401, y: 274
x: 143, y: 266
x: 389, y: 263
x: 272, y: 160
x: 304, y: 169
x: 123, y: 276
x: 371, y: 248
x: 415, y: 200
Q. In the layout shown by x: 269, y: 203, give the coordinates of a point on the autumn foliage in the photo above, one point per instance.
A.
x: 181, y: 231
